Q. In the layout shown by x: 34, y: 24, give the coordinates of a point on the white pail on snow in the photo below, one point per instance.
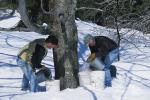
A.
x: 84, y: 78
x: 97, y: 64
x: 97, y: 79
x: 53, y: 85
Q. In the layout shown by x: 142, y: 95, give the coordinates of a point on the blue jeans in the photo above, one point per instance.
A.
x: 109, y: 59
x: 30, y: 78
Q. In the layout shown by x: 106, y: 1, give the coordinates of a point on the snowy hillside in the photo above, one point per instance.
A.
x: 9, y: 21
x: 133, y: 79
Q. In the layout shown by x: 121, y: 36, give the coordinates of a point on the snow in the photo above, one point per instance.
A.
x: 10, y: 22
x: 80, y: 93
x: 133, y: 78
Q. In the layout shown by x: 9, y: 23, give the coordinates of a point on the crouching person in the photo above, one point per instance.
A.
x: 29, y: 59
x: 103, y: 53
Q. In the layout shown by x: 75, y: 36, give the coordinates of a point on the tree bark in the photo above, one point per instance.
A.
x: 65, y: 57
x: 25, y: 18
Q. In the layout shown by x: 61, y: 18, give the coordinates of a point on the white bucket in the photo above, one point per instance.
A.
x: 97, y: 79
x: 53, y: 85
x: 84, y: 78
x: 97, y: 64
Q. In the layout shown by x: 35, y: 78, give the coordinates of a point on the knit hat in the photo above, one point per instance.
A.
x: 87, y: 38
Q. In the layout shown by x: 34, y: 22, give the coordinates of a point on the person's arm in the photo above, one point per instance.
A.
x: 38, y: 56
x: 91, y: 57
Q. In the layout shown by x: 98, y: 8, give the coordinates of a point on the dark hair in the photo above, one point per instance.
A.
x: 52, y: 39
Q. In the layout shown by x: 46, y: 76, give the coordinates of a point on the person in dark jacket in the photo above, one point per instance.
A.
x: 103, y: 53
x: 29, y: 59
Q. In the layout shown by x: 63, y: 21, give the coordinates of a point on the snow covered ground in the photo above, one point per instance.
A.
x: 133, y: 78
x: 8, y: 21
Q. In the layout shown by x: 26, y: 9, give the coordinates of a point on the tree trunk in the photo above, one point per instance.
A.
x: 65, y: 57
x: 25, y: 18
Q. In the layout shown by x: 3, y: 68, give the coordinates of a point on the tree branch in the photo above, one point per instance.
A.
x: 87, y: 8
x: 25, y: 18
x: 102, y: 3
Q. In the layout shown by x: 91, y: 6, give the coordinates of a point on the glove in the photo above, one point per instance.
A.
x: 42, y: 67
x: 91, y: 57
x: 46, y: 72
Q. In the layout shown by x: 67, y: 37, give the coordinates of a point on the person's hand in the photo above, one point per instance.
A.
x: 43, y: 67
x: 91, y: 58
x: 33, y: 69
x: 47, y: 73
